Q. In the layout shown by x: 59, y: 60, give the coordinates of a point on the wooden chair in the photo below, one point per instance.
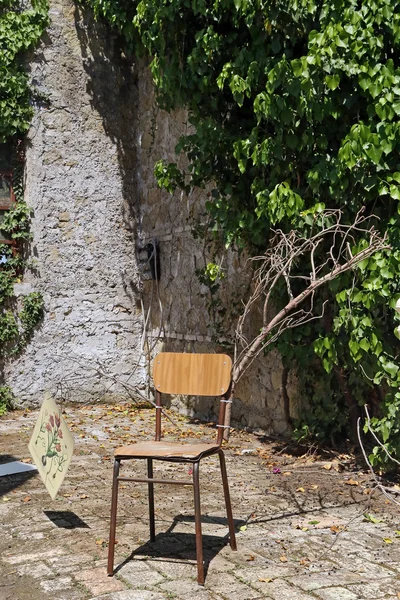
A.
x: 188, y: 374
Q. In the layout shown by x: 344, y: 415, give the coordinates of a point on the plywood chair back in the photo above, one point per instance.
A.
x: 192, y: 375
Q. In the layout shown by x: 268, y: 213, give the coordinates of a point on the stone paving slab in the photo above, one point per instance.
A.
x: 301, y: 535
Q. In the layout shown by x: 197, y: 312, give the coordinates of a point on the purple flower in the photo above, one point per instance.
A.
x: 276, y: 470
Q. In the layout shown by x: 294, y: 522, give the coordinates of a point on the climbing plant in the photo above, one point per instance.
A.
x: 294, y: 107
x: 17, y: 321
x: 20, y: 30
x: 21, y: 27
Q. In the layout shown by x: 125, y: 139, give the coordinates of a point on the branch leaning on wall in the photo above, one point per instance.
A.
x: 278, y: 265
x: 388, y: 492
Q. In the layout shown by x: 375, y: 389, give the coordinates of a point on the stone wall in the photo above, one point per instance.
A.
x: 181, y: 318
x: 90, y: 183
x: 80, y: 184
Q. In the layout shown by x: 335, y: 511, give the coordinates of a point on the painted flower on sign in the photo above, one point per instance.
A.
x: 51, y: 436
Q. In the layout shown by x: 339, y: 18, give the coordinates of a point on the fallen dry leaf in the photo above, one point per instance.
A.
x: 26, y: 499
x: 351, y: 482
x: 304, y: 561
x: 287, y: 473
x: 300, y: 489
x: 250, y: 558
x: 283, y: 558
x: 372, y: 519
x: 84, y: 496
x: 328, y: 466
x: 314, y: 487
x: 336, y: 528
x: 99, y: 542
x: 302, y: 527
x: 388, y: 540
x: 267, y: 579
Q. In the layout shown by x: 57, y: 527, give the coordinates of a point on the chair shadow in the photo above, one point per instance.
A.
x: 11, y: 482
x: 180, y: 547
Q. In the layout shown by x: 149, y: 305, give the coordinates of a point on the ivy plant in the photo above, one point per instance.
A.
x: 17, y: 322
x: 21, y: 27
x: 294, y: 107
x: 20, y: 30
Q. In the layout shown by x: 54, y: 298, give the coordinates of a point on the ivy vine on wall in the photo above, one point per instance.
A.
x: 295, y: 107
x: 21, y: 27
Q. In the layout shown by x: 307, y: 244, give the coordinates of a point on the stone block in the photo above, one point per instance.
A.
x: 132, y: 595
x: 139, y: 574
x: 97, y: 581
x: 337, y: 593
x: 57, y: 584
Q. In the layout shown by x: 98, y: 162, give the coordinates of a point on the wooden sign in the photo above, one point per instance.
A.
x: 51, y: 446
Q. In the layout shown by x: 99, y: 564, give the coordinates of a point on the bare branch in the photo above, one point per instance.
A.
x: 278, y: 263
x: 386, y: 491
x: 378, y: 441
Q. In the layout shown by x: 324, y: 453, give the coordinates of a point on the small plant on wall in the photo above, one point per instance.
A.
x: 17, y: 320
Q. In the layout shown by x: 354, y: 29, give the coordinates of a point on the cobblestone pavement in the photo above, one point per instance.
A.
x: 301, y: 531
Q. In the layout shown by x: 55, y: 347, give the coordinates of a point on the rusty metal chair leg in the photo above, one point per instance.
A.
x: 151, y: 500
x: 231, y: 525
x: 113, y: 519
x: 197, y: 518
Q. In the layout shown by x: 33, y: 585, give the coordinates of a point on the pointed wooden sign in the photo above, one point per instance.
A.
x: 51, y: 445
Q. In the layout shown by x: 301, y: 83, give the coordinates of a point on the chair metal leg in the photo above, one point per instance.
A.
x: 197, y: 518
x: 231, y: 525
x: 113, y: 520
x: 151, y: 500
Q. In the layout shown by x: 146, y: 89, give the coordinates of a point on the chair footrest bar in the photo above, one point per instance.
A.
x: 171, y: 481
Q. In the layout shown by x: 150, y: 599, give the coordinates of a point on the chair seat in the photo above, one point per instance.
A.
x: 165, y: 450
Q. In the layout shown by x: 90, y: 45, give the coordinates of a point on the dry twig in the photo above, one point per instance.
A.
x: 279, y: 263
x: 386, y: 491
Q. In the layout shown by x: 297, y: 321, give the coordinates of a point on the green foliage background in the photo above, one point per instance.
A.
x: 20, y: 31
x: 295, y: 106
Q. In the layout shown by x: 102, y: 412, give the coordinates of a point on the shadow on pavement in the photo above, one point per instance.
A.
x: 66, y: 519
x: 180, y: 547
x: 8, y: 483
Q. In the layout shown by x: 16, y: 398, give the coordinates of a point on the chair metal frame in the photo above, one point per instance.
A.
x: 175, y: 373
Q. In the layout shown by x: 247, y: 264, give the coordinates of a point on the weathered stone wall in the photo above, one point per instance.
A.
x: 90, y: 183
x: 181, y: 318
x: 80, y: 184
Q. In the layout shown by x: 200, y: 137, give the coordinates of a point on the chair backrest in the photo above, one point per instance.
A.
x: 192, y: 374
